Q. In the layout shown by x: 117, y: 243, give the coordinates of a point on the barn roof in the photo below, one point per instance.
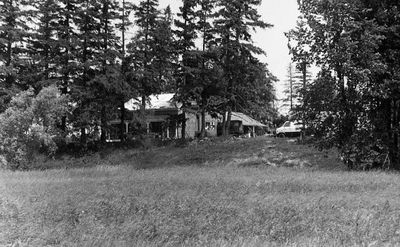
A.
x: 246, y: 120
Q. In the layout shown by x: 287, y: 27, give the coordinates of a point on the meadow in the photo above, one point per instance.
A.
x: 259, y: 192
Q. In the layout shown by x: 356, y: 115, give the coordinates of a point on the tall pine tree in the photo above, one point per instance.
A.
x: 186, y: 34
x: 236, y: 19
x: 88, y: 52
x: 142, y: 49
x: 43, y: 46
x: 125, y: 90
x: 107, y: 81
x: 14, y: 34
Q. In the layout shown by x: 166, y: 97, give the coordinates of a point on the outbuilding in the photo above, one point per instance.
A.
x: 242, y: 124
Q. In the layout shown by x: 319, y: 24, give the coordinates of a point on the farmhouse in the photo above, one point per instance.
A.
x: 161, y: 119
x: 162, y: 114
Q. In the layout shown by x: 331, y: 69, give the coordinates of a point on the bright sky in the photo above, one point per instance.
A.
x: 283, y: 15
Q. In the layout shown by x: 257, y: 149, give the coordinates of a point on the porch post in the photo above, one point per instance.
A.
x: 167, y: 132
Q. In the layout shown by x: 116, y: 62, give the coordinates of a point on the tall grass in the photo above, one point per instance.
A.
x: 199, y: 206
x: 216, y: 152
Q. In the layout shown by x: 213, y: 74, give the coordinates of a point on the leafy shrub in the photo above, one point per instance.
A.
x: 29, y: 125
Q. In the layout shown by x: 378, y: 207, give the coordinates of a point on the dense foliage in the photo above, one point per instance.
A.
x: 101, y: 53
x: 29, y: 125
x: 354, y: 102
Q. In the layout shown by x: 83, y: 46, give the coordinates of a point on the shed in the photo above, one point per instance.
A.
x: 244, y: 124
x: 246, y: 120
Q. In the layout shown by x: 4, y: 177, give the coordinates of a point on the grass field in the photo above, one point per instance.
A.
x: 244, y: 193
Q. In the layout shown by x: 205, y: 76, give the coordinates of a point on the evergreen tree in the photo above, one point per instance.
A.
x: 107, y: 82
x: 205, y: 85
x: 44, y: 45
x: 186, y: 34
x: 199, y: 68
x: 125, y: 91
x: 67, y: 41
x: 98, y: 85
x: 142, y: 49
x: 235, y: 21
x: 256, y: 99
x: 88, y: 52
x: 303, y: 59
x: 209, y: 72
x: 165, y: 55
x: 290, y: 87
x: 187, y: 25
x: 14, y: 33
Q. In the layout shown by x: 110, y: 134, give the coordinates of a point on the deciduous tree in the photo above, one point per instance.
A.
x: 354, y: 42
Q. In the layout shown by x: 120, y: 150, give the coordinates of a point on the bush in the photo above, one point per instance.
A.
x: 29, y: 126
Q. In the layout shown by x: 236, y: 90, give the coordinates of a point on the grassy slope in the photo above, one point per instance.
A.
x: 231, y: 197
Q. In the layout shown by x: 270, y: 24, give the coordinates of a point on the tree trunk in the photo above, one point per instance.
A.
x: 143, y: 113
x: 9, y: 40
x: 103, y: 114
x: 346, y: 127
x: 228, y: 122
x: 203, y: 100
x: 103, y: 120
x: 83, y: 138
x: 122, y: 127
x: 342, y: 87
x: 183, y: 130
x: 396, y: 136
x: 302, y: 133
x: 394, y: 147
x: 9, y: 51
x: 9, y: 78
x: 291, y: 93
x: 203, y: 123
x: 64, y: 89
x: 224, y: 124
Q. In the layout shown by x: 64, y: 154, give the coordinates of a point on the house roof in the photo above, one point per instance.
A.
x: 165, y: 101
x: 246, y: 120
x: 159, y: 101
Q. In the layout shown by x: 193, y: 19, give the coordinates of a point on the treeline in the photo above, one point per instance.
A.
x: 354, y: 104
x: 101, y: 53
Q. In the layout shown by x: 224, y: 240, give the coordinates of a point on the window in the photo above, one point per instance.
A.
x: 287, y: 124
x: 210, y: 125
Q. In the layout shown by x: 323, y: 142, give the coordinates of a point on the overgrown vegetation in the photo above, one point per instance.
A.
x: 29, y: 125
x: 225, y: 199
x: 86, y: 50
x: 262, y: 151
x: 354, y: 102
